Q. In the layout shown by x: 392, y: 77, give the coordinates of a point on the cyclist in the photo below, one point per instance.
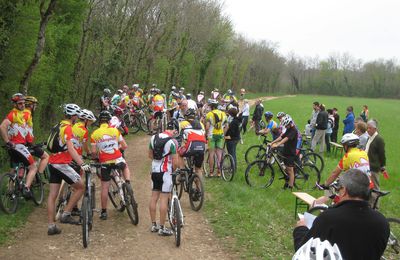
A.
x: 200, y: 99
x: 60, y: 169
x: 215, y: 94
x: 191, y: 103
x: 230, y: 98
x: 193, y: 140
x: 182, y: 92
x: 280, y: 116
x: 157, y: 106
x: 14, y: 131
x: 81, y: 133
x: 116, y: 99
x: 163, y: 152
x: 107, y: 143
x: 183, y: 106
x: 105, y: 100
x: 272, y: 126
x: 173, y: 103
x: 30, y: 107
x: 215, y: 123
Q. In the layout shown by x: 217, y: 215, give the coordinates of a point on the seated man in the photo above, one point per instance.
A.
x: 272, y: 126
x: 359, y: 231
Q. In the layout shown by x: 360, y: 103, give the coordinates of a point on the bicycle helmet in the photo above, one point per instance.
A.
x: 30, y: 100
x: 212, y: 101
x: 315, y: 249
x: 17, y: 97
x: 105, y: 116
x: 280, y: 114
x: 135, y: 86
x: 201, y: 92
x: 287, y: 120
x: 87, y: 115
x: 230, y: 91
x: 72, y: 110
x: 173, y: 125
x: 120, y: 91
x: 107, y: 91
x: 188, y: 96
x: 182, y: 89
x: 173, y: 88
x: 350, y: 139
x: 176, y: 95
x: 268, y: 115
x: 190, y: 113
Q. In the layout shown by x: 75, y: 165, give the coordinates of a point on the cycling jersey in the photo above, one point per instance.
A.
x: 29, y: 126
x: 274, y: 129
x: 107, y: 140
x: 191, y: 134
x: 158, y: 103
x: 17, y: 130
x: 80, y: 136
x: 355, y: 158
x: 116, y: 100
x: 170, y: 148
x: 217, y: 120
x: 65, y: 135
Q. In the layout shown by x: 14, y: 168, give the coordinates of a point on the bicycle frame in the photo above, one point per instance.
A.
x: 174, y: 195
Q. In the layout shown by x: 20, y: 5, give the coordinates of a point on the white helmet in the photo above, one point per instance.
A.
x: 212, y: 101
x: 314, y: 249
x: 350, y: 139
x: 281, y: 114
x: 287, y: 120
x: 87, y: 114
x: 72, y: 109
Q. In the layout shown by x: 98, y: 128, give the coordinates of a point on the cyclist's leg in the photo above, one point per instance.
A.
x: 55, y: 183
x: 219, y: 145
x: 105, y: 185
x: 164, y: 196
x: 28, y: 160
x: 156, y: 178
x: 289, y: 163
x: 211, y: 152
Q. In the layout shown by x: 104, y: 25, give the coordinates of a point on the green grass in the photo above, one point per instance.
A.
x: 258, y: 223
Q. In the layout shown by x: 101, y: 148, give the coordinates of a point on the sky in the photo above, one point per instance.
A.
x: 365, y: 29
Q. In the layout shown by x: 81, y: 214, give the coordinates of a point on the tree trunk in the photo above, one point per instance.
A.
x: 44, y: 19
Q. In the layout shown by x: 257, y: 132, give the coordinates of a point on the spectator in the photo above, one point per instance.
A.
x: 348, y: 121
x: 331, y: 123
x: 364, y: 113
x: 320, y: 129
x: 314, y: 115
x: 361, y: 131
x: 336, y: 126
x: 359, y: 231
x: 375, y: 149
x: 257, y: 115
x: 232, y: 135
x: 245, y: 115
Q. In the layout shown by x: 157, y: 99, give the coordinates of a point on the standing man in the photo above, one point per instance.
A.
x: 320, y: 128
x: 335, y: 125
x: 257, y: 115
x: 245, y: 115
x: 348, y: 121
x: 376, y: 152
x: 313, y: 120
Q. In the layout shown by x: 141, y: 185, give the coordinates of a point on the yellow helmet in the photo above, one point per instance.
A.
x: 30, y: 100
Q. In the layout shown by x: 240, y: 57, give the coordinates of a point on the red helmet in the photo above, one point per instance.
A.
x: 17, y: 97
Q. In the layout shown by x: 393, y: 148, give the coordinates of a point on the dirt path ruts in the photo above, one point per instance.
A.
x: 116, y: 238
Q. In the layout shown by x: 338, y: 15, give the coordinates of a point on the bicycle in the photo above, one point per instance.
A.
x: 121, y: 195
x: 175, y: 213
x: 131, y: 120
x: 260, y: 173
x: 191, y: 183
x: 12, y: 184
x: 158, y: 125
x: 226, y: 166
x: 392, y: 250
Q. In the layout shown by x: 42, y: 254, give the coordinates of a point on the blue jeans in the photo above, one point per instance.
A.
x: 231, y: 147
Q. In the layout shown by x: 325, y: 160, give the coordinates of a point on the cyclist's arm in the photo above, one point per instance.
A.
x: 3, y: 130
x: 74, y: 154
x: 123, y: 144
x: 276, y: 140
x: 280, y: 142
x: 334, y: 175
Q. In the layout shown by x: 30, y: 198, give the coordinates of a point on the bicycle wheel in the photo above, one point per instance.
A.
x: 114, y: 193
x: 306, y: 177
x: 259, y: 174
x: 196, y: 192
x: 315, y: 159
x: 132, y: 122
x: 130, y: 203
x: 206, y: 165
x: 392, y: 250
x: 8, y: 193
x: 85, y: 221
x: 63, y: 199
x: 317, y: 210
x: 143, y: 124
x: 37, y: 189
x: 179, y: 185
x: 177, y: 221
x: 254, y: 153
x: 228, y: 167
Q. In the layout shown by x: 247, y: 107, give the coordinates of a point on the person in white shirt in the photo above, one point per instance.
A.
x: 245, y: 115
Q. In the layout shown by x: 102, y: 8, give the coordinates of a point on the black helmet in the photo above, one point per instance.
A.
x: 105, y: 116
x: 173, y: 124
x: 190, y: 113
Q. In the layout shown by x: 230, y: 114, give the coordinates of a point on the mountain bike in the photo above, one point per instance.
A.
x: 191, y: 183
x: 157, y: 124
x: 175, y: 214
x: 131, y: 120
x: 121, y: 195
x: 260, y: 173
x: 226, y: 166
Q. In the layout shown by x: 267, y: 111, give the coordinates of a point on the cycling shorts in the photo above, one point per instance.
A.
x: 21, y: 154
x: 289, y: 160
x: 37, y: 151
x: 162, y: 181
x: 59, y: 172
x: 157, y: 114
x: 216, y: 141
x: 120, y: 164
x: 196, y: 150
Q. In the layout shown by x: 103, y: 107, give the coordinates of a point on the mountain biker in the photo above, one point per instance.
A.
x: 81, y: 133
x: 60, y: 169
x: 215, y: 123
x: 215, y: 94
x: 163, y: 152
x: 173, y: 103
x: 272, y: 126
x: 116, y: 99
x: 14, y: 131
x: 157, y: 106
x: 105, y: 100
x: 107, y: 143
x: 230, y: 98
x: 200, y: 99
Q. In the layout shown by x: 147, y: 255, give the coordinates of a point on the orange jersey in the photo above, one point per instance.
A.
x: 17, y: 130
x: 107, y: 140
x: 158, y: 103
x: 29, y: 125
x: 80, y: 136
x: 65, y: 135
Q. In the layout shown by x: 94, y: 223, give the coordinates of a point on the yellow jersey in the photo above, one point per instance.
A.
x: 217, y: 120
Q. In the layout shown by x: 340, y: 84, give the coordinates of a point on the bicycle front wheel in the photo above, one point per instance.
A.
x: 85, y: 221
x: 130, y: 204
x: 314, y: 159
x: 392, y: 250
x: 37, y: 189
x: 259, y: 174
x: 307, y: 177
x: 132, y: 122
x: 228, y: 167
x: 114, y: 193
x: 143, y: 124
x: 196, y: 192
x: 177, y: 222
x: 254, y: 153
x: 8, y: 193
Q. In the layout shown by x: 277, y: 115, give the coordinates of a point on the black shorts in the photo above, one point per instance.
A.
x: 16, y: 157
x: 158, y: 114
x: 106, y: 170
x: 59, y: 172
x: 196, y: 150
x: 289, y: 160
x: 36, y: 151
x: 161, y: 182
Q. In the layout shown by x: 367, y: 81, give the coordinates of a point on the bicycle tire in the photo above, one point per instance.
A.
x: 130, y: 204
x: 115, y: 195
x: 306, y: 177
x: 132, y: 122
x: 317, y: 210
x: 315, y: 159
x: 196, y: 192
x: 37, y: 190
x: 259, y: 174
x: 392, y: 250
x: 85, y: 221
x: 177, y: 220
x: 254, y: 153
x: 8, y: 194
x: 179, y: 187
x: 63, y: 199
x: 206, y: 165
x: 228, y: 168
x: 143, y: 124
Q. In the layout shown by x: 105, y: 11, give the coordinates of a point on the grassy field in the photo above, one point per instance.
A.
x: 258, y: 223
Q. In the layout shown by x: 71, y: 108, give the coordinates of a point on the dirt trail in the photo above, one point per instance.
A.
x: 116, y: 238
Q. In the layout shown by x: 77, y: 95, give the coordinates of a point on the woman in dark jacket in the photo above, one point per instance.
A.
x: 232, y: 135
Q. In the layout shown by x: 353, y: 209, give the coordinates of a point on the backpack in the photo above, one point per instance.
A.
x: 53, y: 141
x: 218, y: 123
x: 158, y: 147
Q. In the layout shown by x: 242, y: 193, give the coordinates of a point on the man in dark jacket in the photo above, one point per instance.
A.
x: 359, y: 231
x: 257, y: 115
x: 335, y: 126
x: 320, y: 128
